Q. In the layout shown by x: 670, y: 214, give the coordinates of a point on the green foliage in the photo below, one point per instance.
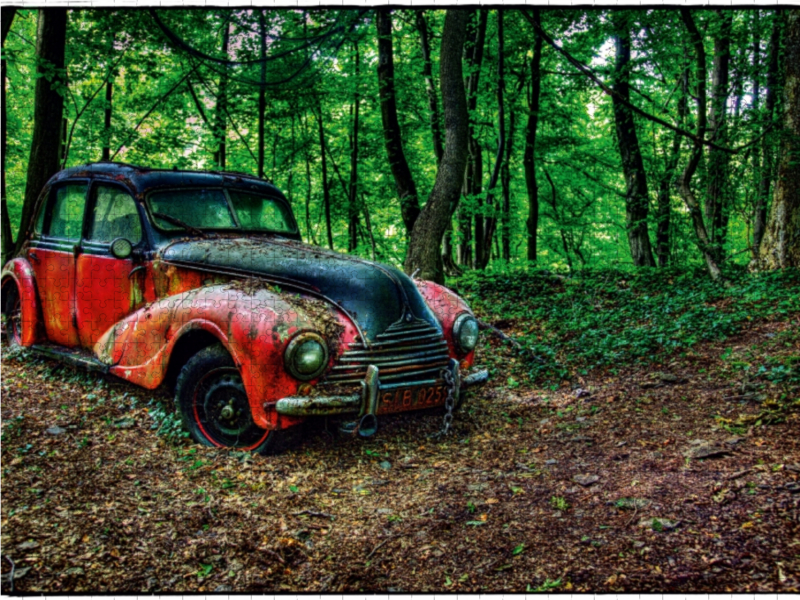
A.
x: 167, y: 422
x: 602, y: 318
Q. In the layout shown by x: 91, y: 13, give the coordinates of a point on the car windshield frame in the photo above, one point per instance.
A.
x: 158, y: 225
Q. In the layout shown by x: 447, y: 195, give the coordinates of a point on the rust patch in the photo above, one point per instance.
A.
x: 252, y: 285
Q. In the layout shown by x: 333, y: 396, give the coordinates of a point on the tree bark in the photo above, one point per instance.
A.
x: 768, y: 142
x: 529, y: 157
x: 220, y: 123
x: 262, y: 91
x: 7, y: 235
x: 717, y: 190
x: 404, y: 181
x: 352, y: 188
x: 488, y: 224
x: 427, y: 73
x: 474, y: 174
x: 685, y: 179
x: 505, y: 178
x: 636, y: 199
x: 48, y: 109
x: 664, y: 209
x: 107, y: 108
x: 326, y: 192
x: 426, y: 238
x: 780, y: 248
x: 558, y: 219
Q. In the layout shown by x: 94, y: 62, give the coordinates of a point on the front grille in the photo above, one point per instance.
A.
x: 405, y: 353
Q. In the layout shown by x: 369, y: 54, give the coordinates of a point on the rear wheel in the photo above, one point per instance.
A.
x: 215, y: 408
x: 12, y: 312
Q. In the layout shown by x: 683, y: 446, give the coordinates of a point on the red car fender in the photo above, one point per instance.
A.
x: 21, y: 272
x: 446, y: 306
x: 254, y: 326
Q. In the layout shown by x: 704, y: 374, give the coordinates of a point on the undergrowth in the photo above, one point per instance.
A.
x: 605, y: 318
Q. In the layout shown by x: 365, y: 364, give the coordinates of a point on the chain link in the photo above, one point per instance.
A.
x: 449, y: 404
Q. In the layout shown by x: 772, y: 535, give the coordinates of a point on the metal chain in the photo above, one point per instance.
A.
x: 449, y: 403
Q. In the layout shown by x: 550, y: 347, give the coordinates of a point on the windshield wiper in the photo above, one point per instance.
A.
x: 179, y: 223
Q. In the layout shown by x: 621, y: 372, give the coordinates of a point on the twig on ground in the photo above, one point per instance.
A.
x: 275, y: 554
x: 312, y: 513
x: 11, y: 573
x: 376, y: 548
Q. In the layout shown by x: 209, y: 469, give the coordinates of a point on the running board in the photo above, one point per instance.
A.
x: 71, y: 358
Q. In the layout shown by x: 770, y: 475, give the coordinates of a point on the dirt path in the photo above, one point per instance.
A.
x: 601, y: 489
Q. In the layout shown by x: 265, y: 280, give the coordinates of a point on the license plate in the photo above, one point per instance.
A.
x: 411, y: 398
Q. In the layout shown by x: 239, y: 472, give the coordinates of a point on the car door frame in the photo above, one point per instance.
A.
x: 45, y: 251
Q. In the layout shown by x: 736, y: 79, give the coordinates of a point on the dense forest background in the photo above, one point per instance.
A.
x: 595, y: 138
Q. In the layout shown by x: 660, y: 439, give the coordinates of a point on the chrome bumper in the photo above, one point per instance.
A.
x: 365, y: 403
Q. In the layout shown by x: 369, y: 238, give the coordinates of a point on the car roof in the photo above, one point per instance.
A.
x: 143, y: 179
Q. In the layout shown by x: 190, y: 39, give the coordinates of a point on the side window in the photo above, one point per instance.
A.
x: 67, y: 211
x: 114, y: 216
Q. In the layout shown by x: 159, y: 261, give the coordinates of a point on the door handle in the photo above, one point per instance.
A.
x: 33, y: 256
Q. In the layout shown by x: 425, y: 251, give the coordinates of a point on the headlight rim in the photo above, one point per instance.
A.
x: 457, y: 325
x: 293, y: 346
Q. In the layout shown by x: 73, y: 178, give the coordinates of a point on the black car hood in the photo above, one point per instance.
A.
x: 376, y: 295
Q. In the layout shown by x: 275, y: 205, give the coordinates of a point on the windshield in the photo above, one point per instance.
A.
x: 176, y: 210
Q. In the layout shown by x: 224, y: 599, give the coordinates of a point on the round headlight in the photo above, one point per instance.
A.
x: 306, y: 356
x: 465, y: 332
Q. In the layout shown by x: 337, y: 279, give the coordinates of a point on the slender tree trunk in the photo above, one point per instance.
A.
x: 483, y: 243
x: 636, y: 200
x: 505, y: 178
x: 262, y: 91
x: 352, y: 227
x: 474, y: 174
x: 559, y: 220
x: 780, y: 247
x: 668, y: 179
x: 326, y: 192
x: 107, y: 110
x: 7, y: 235
x: 220, y: 122
x: 426, y: 238
x: 368, y: 224
x: 685, y: 179
x: 306, y: 135
x: 768, y: 142
x: 48, y: 110
x: 717, y: 190
x: 529, y: 158
x: 406, y: 189
x: 427, y: 73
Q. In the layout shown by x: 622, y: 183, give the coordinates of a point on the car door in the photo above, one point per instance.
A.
x: 52, y: 252
x: 107, y: 289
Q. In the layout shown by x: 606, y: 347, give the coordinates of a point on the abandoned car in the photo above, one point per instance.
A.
x: 200, y: 281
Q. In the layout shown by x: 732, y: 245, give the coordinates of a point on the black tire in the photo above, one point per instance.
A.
x: 12, y: 311
x: 214, y: 405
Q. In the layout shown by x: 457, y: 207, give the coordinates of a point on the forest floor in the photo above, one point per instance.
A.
x: 677, y: 473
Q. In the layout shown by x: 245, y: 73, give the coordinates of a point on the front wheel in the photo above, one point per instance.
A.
x: 214, y: 405
x: 12, y: 311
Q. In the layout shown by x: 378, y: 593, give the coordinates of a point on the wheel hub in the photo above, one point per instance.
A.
x: 226, y: 406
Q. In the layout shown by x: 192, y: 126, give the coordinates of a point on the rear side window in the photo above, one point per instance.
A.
x: 114, y: 216
x: 66, y: 220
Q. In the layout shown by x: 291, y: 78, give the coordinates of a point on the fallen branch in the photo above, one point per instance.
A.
x: 376, y: 548
x: 11, y: 574
x: 312, y: 513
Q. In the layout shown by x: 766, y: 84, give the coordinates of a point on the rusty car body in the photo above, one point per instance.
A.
x: 200, y: 280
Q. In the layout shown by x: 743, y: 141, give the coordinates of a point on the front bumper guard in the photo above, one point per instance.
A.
x: 364, y: 404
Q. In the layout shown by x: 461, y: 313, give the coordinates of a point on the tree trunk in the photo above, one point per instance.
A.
x: 636, y: 199
x: 474, y: 174
x: 7, y: 235
x: 717, y: 192
x: 668, y: 177
x: 352, y: 189
x: 107, y: 110
x: 685, y: 179
x: 220, y: 121
x: 262, y: 92
x: 406, y: 189
x: 326, y: 192
x: 780, y: 248
x: 48, y: 110
x: 558, y: 219
x: 483, y: 239
x: 505, y: 178
x: 427, y: 72
x: 426, y: 238
x: 768, y: 142
x: 529, y: 158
